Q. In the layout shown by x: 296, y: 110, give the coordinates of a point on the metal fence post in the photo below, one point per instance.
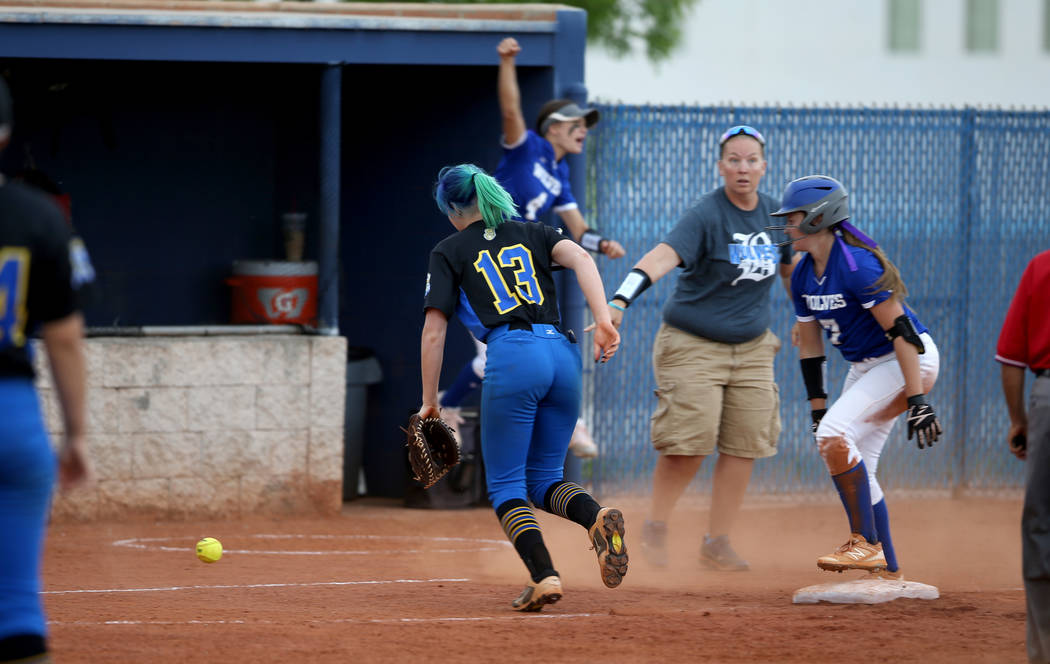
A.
x: 967, y: 206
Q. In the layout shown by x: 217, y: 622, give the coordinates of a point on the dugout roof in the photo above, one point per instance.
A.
x: 285, y: 32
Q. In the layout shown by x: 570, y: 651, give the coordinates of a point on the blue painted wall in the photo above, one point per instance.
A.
x: 174, y: 170
x: 177, y: 169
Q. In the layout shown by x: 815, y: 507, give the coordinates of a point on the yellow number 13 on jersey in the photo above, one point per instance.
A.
x: 525, y: 285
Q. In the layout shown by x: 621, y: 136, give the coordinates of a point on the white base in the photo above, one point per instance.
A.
x: 864, y: 591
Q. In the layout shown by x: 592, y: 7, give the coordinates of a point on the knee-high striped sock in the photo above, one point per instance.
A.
x: 856, y: 498
x: 523, y: 531
x: 571, y: 501
x: 882, y: 524
x: 24, y: 648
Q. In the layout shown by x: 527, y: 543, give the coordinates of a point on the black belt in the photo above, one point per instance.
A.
x: 1039, y: 373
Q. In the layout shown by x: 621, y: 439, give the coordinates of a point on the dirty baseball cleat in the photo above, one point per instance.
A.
x: 545, y: 591
x: 607, y: 539
x: 856, y: 553
x: 716, y: 554
x: 654, y: 543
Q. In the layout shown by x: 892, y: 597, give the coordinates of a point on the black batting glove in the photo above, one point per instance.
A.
x: 922, y: 422
x: 817, y: 414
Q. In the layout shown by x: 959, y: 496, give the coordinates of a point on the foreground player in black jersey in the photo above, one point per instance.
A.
x: 40, y: 270
x: 497, y: 276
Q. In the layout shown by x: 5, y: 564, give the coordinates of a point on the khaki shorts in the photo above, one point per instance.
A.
x: 715, y: 395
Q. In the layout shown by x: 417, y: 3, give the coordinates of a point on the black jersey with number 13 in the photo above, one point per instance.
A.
x: 491, y: 277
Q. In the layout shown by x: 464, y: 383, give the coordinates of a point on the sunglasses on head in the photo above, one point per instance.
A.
x: 742, y: 129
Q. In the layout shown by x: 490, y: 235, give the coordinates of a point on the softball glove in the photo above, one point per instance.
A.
x: 432, y: 448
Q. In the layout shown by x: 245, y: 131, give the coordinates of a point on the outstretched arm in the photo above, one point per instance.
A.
x: 573, y: 256
x: 432, y: 350
x: 660, y: 260
x: 509, y: 94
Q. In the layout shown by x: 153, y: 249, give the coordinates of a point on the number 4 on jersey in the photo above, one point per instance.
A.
x: 526, y: 288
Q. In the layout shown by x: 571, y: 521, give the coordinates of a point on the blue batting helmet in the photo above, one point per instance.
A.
x: 821, y: 198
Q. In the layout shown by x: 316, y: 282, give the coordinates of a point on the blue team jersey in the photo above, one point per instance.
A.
x: 839, y: 300
x: 533, y: 178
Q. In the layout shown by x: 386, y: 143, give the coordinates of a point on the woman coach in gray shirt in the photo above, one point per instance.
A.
x: 713, y: 354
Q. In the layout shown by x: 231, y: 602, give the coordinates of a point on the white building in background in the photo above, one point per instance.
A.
x: 855, y: 52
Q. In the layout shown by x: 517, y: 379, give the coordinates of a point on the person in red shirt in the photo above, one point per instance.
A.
x: 1024, y: 342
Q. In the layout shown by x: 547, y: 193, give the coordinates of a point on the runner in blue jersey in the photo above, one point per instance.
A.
x: 847, y: 286
x: 534, y: 172
x: 497, y: 276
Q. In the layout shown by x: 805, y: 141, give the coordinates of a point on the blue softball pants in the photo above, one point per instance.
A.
x: 530, y: 399
x: 27, y: 475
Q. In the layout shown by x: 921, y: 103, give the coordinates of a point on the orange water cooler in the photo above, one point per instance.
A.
x: 274, y: 292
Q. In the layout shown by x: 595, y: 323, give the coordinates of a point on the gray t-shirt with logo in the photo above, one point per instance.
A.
x: 729, y: 262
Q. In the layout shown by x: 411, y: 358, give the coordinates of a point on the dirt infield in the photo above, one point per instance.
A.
x: 381, y: 583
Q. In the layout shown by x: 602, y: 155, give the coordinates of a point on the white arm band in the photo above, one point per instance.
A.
x: 633, y: 284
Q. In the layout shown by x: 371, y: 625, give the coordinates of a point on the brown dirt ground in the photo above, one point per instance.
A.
x: 377, y: 584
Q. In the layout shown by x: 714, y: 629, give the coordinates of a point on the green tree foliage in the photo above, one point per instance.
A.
x: 621, y: 26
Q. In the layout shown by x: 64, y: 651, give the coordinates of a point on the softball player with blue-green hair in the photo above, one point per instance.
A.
x: 497, y: 276
x: 848, y: 289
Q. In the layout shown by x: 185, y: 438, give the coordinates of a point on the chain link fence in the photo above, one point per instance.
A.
x: 960, y: 201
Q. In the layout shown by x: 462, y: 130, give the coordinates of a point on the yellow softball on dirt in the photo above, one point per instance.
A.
x: 209, y: 549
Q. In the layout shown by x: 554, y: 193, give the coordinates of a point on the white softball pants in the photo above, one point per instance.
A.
x: 872, y: 398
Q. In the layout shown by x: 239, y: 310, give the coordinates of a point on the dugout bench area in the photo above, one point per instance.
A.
x: 182, y: 133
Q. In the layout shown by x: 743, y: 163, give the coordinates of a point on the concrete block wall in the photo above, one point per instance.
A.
x: 208, y: 427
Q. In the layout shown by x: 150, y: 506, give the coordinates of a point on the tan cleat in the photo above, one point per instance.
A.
x: 545, y: 591
x: 607, y: 539
x: 854, y: 554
